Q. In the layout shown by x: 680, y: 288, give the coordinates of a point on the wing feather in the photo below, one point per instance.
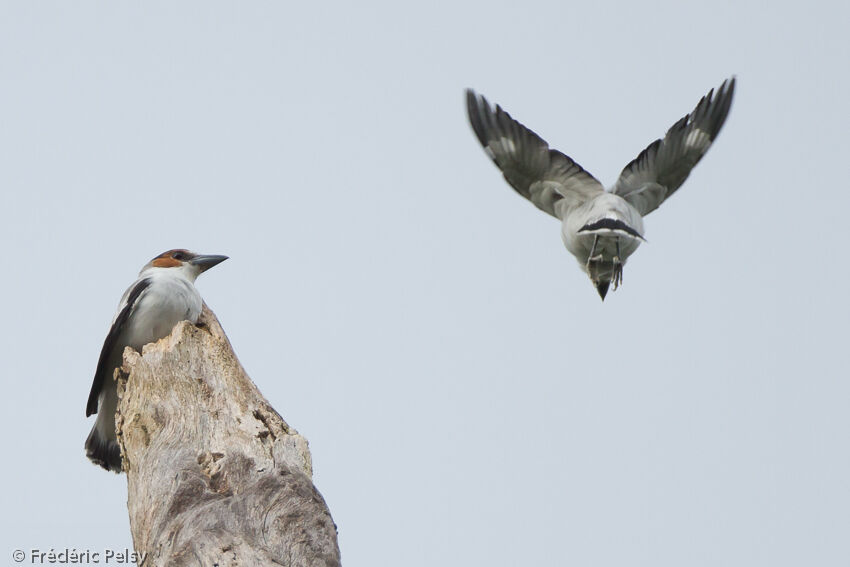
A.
x: 103, y: 372
x: 663, y: 166
x: 542, y: 175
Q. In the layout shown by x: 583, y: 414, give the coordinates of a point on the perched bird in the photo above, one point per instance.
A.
x: 162, y: 296
x: 600, y: 228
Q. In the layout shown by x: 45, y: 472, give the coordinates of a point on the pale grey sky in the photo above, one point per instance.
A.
x: 467, y: 397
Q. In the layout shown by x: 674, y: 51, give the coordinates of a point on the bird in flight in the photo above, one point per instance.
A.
x: 600, y: 228
x: 163, y: 295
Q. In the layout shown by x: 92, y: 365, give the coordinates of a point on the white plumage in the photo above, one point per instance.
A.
x: 601, y: 229
x: 163, y: 295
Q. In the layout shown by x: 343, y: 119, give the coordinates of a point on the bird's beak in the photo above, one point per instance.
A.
x: 602, y: 288
x: 207, y: 261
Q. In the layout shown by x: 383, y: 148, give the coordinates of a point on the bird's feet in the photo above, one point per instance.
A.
x: 617, y: 272
x: 593, y: 260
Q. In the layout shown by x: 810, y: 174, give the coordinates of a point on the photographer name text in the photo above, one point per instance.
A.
x: 69, y: 556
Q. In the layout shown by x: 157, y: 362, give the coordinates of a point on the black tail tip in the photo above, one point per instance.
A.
x: 602, y: 288
x: 103, y: 452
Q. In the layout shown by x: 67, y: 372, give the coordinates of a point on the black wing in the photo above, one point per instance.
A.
x: 541, y: 175
x: 102, y: 372
x: 664, y: 165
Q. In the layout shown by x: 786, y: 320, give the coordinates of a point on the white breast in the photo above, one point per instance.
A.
x: 166, y: 302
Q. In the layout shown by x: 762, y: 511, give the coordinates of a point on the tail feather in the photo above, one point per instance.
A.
x: 102, y: 451
x: 608, y: 225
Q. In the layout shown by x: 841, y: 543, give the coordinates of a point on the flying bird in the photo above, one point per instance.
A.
x: 600, y: 228
x: 163, y: 295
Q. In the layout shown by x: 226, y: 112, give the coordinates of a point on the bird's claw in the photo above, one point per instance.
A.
x: 594, y: 260
x: 617, y: 275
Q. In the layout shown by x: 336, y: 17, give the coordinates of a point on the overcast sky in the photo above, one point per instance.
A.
x: 468, y: 398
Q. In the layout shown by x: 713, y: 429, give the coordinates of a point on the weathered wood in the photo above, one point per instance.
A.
x: 214, y: 475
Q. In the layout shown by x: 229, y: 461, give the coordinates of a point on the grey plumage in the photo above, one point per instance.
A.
x: 600, y: 228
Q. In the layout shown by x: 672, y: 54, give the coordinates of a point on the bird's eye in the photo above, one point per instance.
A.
x: 179, y: 256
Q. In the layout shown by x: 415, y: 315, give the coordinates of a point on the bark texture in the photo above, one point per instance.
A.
x: 215, y: 477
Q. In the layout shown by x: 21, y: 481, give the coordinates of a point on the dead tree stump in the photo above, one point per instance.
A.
x: 214, y: 475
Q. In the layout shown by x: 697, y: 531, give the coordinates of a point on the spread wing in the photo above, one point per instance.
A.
x: 664, y: 165
x: 541, y: 175
x: 103, y: 371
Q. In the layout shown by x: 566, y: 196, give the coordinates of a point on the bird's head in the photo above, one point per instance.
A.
x: 602, y: 274
x: 189, y: 264
x: 602, y: 287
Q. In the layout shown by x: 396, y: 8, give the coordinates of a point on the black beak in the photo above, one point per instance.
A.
x: 602, y: 288
x: 207, y: 261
